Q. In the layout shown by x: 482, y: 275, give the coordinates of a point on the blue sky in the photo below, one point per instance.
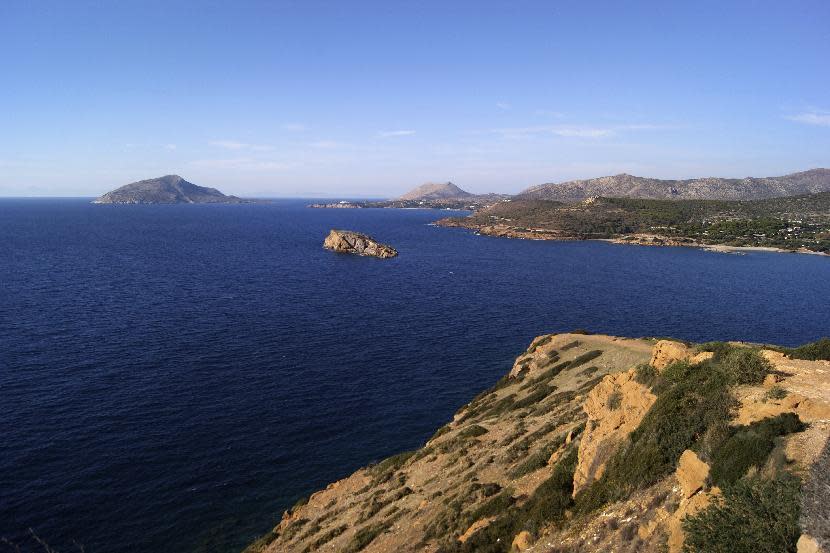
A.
x: 372, y: 98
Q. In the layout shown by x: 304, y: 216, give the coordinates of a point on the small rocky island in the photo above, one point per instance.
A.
x: 346, y: 241
x: 169, y: 189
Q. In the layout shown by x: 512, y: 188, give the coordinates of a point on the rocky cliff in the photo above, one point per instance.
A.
x: 597, y: 443
x: 169, y: 189
x: 345, y: 241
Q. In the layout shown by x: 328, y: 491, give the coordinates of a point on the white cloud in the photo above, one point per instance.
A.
x: 234, y: 145
x: 239, y: 164
x: 582, y: 132
x: 326, y: 144
x: 817, y: 117
x: 169, y: 146
x: 295, y: 127
x: 503, y: 106
x: 391, y: 134
x: 549, y: 113
x: 576, y: 131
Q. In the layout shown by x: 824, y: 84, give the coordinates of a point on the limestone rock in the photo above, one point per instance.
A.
x: 474, y: 527
x: 808, y: 544
x: 607, y: 427
x: 522, y: 541
x: 345, y: 241
x: 691, y: 473
x: 666, y: 352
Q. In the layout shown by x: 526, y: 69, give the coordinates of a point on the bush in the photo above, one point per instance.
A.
x: 749, y: 446
x: 585, y: 357
x: 812, y: 351
x: 646, y: 375
x: 615, y: 400
x: 472, y: 431
x: 776, y: 392
x: 745, y: 366
x: 753, y: 516
x: 364, y: 537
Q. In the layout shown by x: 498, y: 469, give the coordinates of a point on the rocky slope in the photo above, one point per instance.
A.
x: 169, y: 189
x: 597, y: 443
x: 712, y: 188
x: 345, y: 241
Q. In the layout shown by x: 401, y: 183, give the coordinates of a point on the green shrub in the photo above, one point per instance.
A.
x: 646, y: 375
x: 745, y: 366
x: 754, y: 516
x: 384, y: 470
x: 776, y: 392
x: 541, y: 391
x: 365, y: 536
x: 472, y: 431
x: 812, y: 351
x: 615, y: 400
x: 720, y: 349
x: 585, y: 357
x: 537, y: 460
x: 749, y: 446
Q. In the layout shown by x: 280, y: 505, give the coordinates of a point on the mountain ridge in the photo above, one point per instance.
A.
x: 623, y: 185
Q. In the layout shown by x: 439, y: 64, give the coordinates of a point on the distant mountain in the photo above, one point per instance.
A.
x: 710, y: 188
x: 436, y: 191
x: 170, y: 189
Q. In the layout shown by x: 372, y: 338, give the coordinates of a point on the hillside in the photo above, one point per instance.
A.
x: 711, y: 188
x: 169, y: 189
x: 597, y: 443
x: 790, y: 223
x: 435, y: 191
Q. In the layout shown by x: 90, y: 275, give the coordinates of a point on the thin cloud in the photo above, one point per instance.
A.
x: 233, y: 145
x: 239, y: 164
x: 392, y: 134
x: 576, y: 131
x: 504, y: 106
x: 294, y: 127
x: 815, y: 117
x: 326, y: 144
x: 170, y: 147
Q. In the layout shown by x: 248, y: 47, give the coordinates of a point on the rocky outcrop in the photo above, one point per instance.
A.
x: 615, y: 407
x: 344, y: 241
x: 666, y: 352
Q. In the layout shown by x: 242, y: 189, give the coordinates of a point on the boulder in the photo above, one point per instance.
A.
x: 522, y: 541
x: 666, y: 352
x: 691, y: 473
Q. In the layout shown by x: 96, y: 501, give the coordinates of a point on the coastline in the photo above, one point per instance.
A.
x: 651, y: 240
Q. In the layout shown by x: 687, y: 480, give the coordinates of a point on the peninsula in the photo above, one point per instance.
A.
x: 169, y: 189
x: 597, y: 443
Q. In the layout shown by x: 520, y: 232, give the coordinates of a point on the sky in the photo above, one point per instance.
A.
x: 369, y: 99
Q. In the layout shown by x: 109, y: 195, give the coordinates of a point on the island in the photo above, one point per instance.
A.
x: 597, y: 443
x: 430, y: 195
x: 169, y: 189
x: 346, y: 241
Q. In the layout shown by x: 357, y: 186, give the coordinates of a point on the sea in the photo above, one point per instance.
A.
x: 173, y: 377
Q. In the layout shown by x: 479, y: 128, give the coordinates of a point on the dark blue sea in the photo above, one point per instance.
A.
x: 173, y: 377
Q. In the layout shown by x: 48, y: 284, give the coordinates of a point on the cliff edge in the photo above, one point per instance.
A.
x: 598, y: 443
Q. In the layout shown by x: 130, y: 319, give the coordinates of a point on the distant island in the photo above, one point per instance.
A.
x: 169, y: 189
x: 445, y: 195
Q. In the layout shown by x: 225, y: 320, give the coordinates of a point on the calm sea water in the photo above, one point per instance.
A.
x: 173, y: 377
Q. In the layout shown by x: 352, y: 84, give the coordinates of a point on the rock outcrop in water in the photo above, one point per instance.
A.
x: 169, y: 189
x: 346, y: 241
x: 586, y: 446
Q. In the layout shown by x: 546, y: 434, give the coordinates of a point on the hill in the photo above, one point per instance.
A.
x: 712, y: 188
x: 435, y: 191
x: 169, y: 189
x: 789, y: 223
x: 597, y: 443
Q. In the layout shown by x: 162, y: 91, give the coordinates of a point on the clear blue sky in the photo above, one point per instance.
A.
x: 371, y: 98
